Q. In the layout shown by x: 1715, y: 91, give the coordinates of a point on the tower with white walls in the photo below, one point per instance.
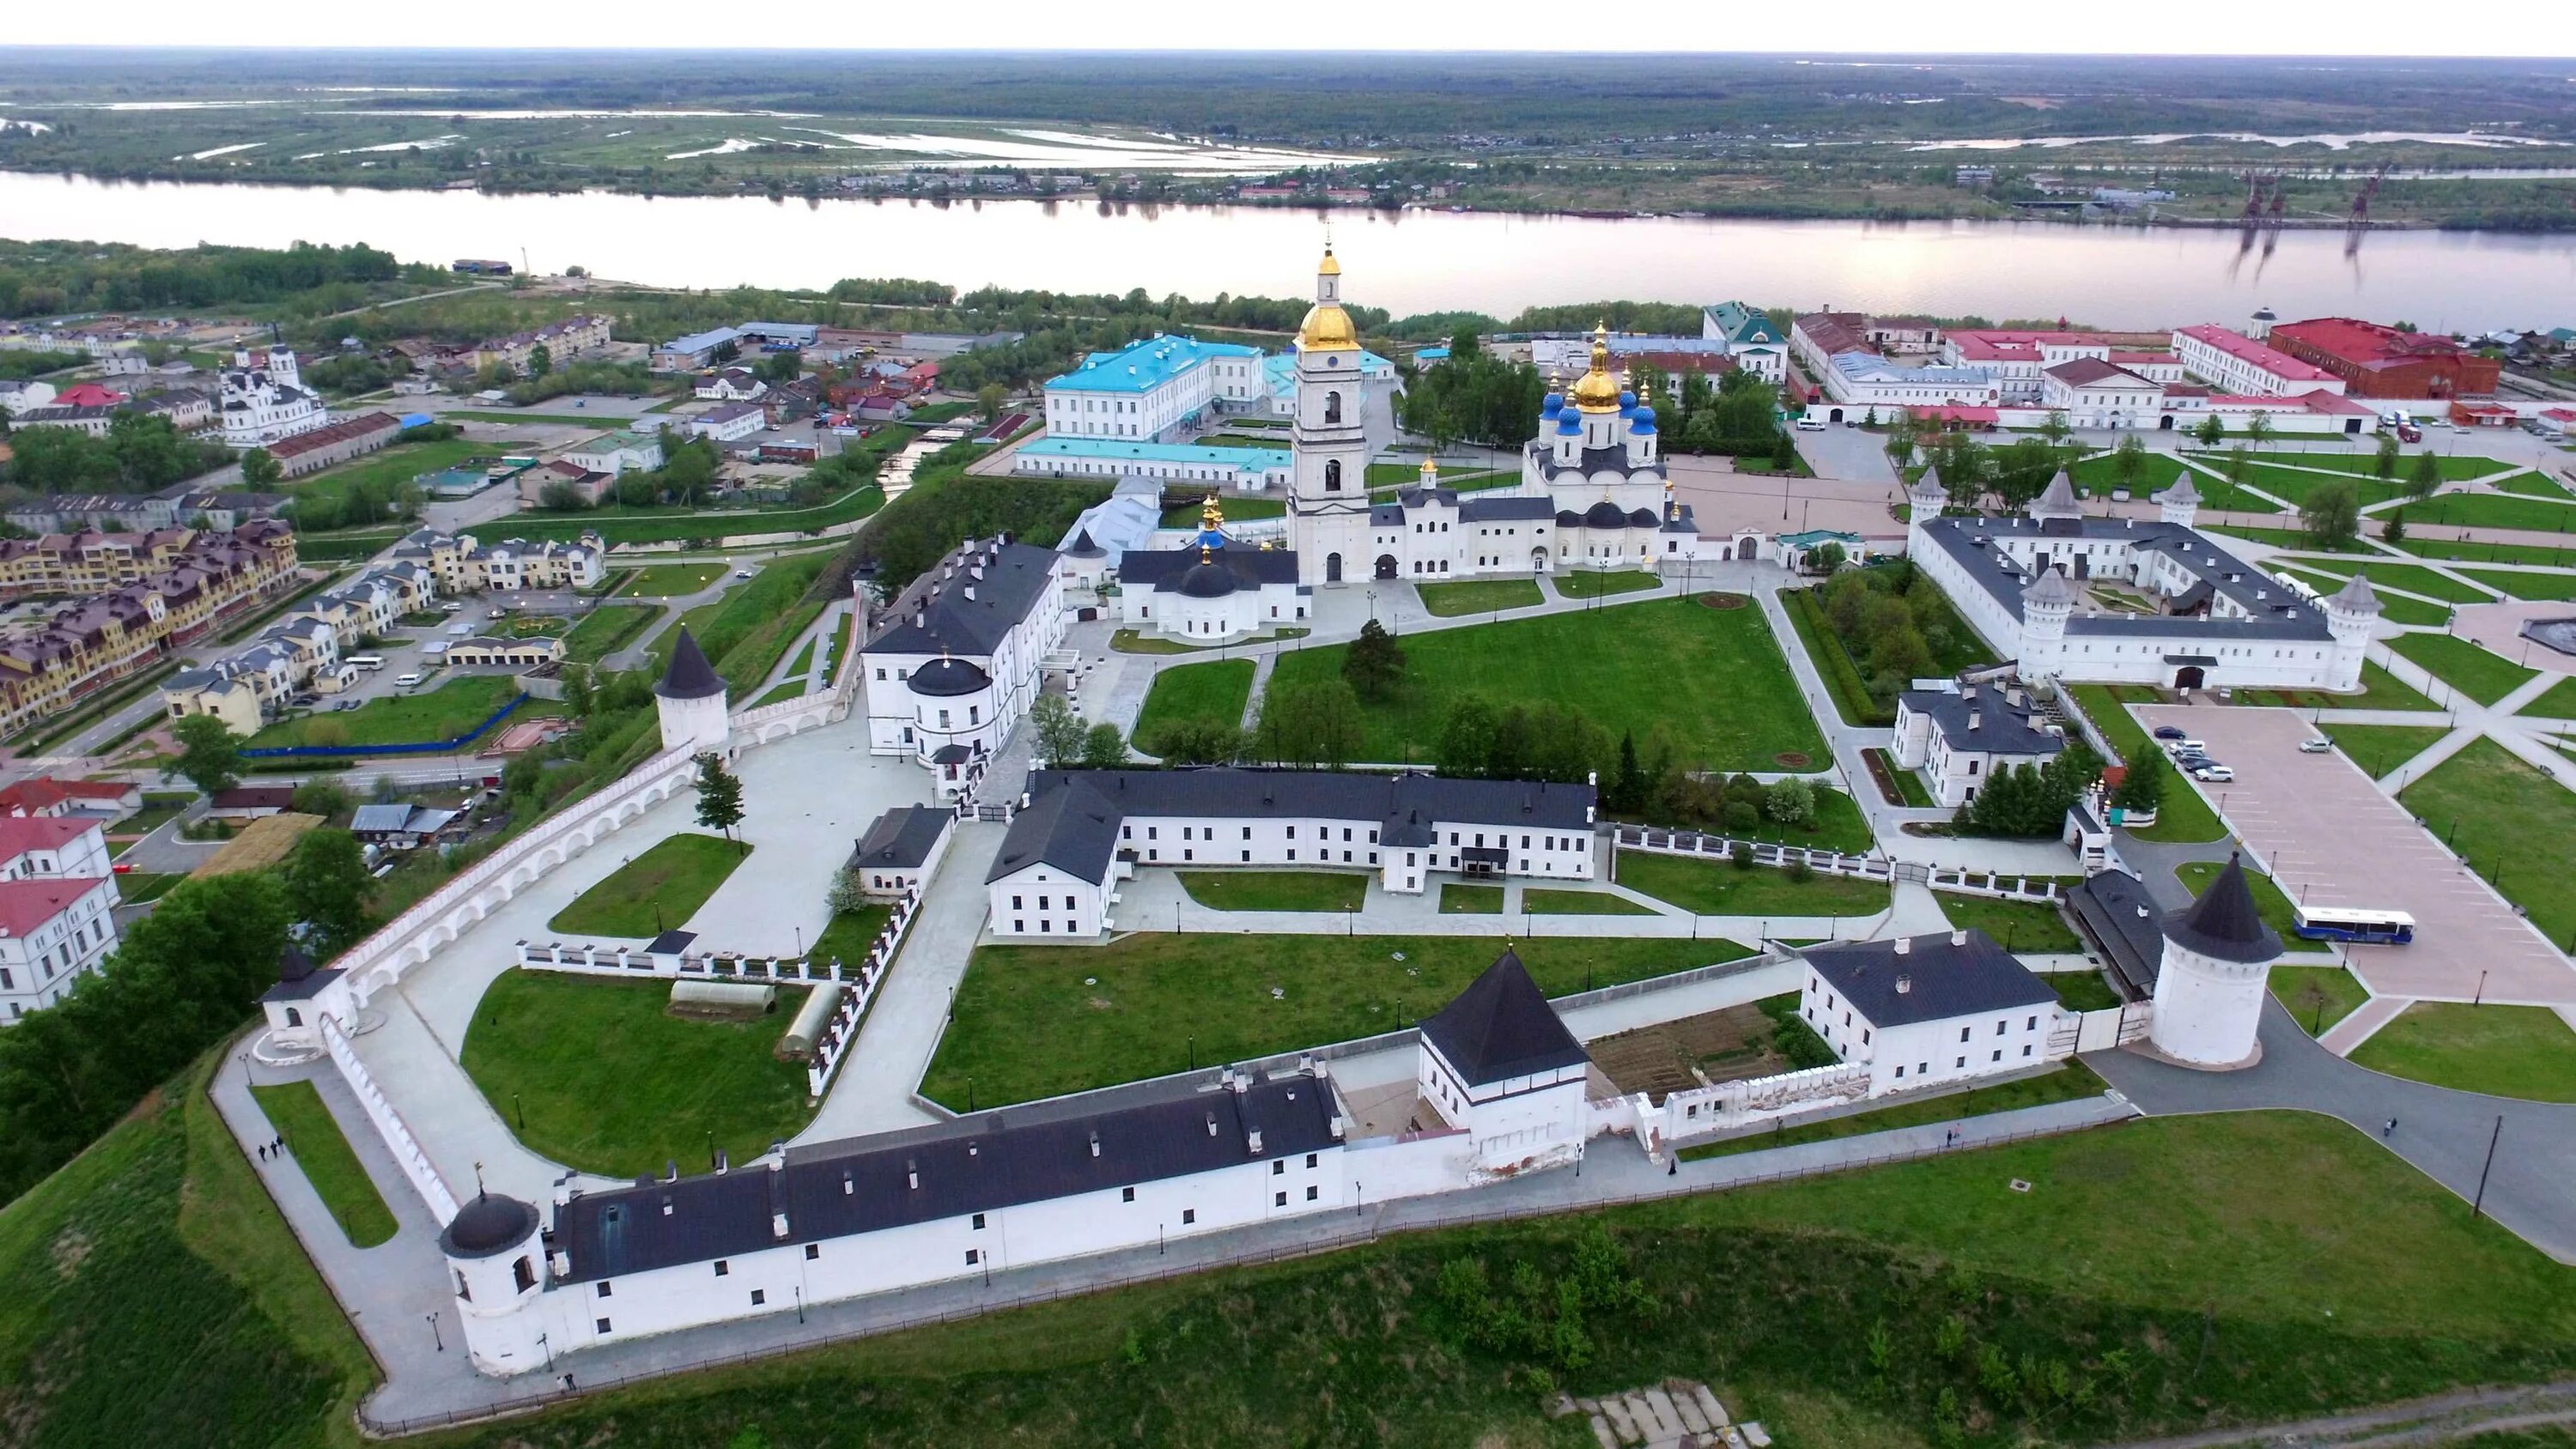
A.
x: 2352, y: 613
x: 496, y: 1269
x: 2046, y: 604
x: 2180, y: 504
x: 691, y: 700
x: 1328, y: 510
x: 2210, y: 985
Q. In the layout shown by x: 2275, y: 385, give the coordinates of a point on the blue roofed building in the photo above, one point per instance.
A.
x: 695, y: 351
x: 1758, y: 344
x: 1153, y: 390
x: 1245, y: 470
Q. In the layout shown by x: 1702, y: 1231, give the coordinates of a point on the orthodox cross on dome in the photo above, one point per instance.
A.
x: 1430, y: 472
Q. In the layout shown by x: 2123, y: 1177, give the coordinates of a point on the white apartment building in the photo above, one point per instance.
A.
x: 57, y: 901
x: 1152, y: 390
x: 615, y: 453
x: 2235, y: 363
x: 951, y: 665
x: 1927, y: 1011
x: 1958, y: 738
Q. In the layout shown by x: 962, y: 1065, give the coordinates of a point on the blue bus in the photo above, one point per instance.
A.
x: 2345, y: 923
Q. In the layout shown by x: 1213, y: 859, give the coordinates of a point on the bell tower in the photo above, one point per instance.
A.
x: 1328, y: 506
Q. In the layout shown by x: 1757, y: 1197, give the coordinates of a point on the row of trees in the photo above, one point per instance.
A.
x: 1893, y: 623
x: 1739, y: 416
x: 140, y: 453
x: 1472, y: 396
x: 1971, y: 471
x: 2022, y: 800
x: 1066, y: 743
x: 42, y: 279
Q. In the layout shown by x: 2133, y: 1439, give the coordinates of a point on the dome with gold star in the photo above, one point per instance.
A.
x: 1326, y: 324
x: 1597, y: 391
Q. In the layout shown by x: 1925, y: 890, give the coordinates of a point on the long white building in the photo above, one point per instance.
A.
x: 2023, y: 583
x: 1927, y: 1011
x: 951, y: 665
x: 2236, y: 363
x: 1043, y: 1182
x: 1152, y: 390
x: 1080, y: 832
x: 57, y: 909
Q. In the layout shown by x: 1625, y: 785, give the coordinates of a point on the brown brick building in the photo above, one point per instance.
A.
x: 2376, y: 361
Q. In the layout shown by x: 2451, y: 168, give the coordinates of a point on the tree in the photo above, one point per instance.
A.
x: 2055, y: 428
x: 1197, y: 742
x: 206, y: 753
x: 1103, y: 748
x: 848, y: 894
x: 326, y: 888
x: 2129, y: 461
x: 2210, y: 431
x: 2394, y: 530
x: 2425, y: 476
x: 719, y: 796
x: 1059, y: 731
x: 2383, y: 463
x: 1315, y: 722
x: 260, y: 469
x: 1628, y: 781
x: 988, y: 400
x: 1466, y: 737
x: 1826, y: 557
x: 541, y: 360
x: 1789, y: 802
x: 2143, y: 787
x: 561, y: 496
x: 726, y: 351
x: 2258, y: 429
x: 321, y: 797
x: 2332, y: 514
x: 1900, y: 441
x: 1374, y: 663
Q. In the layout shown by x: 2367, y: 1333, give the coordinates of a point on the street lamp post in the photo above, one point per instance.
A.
x: 434, y: 1335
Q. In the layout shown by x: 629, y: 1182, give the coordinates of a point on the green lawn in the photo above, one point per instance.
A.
x: 1540, y: 901
x: 1153, y: 1003
x: 781, y: 692
x: 2379, y: 690
x: 847, y: 936
x: 2492, y: 510
x: 2394, y: 607
x: 608, y: 1081
x: 138, y: 887
x: 2522, y: 585
x: 1237, y: 510
x: 2413, y: 578
x: 395, y: 466
x: 2504, y: 1051
x: 2184, y: 818
x: 2278, y: 912
x: 1215, y: 690
x: 2509, y: 553
x: 2558, y: 701
x: 1619, y: 666
x: 1716, y: 888
x: 803, y: 663
x: 1276, y: 890
x: 397, y: 719
x: 2319, y: 996
x: 2286, y: 538
x: 1478, y: 596
x: 315, y: 1145
x: 576, y: 420
x: 1588, y: 584
x: 2071, y: 1082
x: 2507, y: 817
x: 2298, y: 487
x: 2025, y: 926
x: 2530, y: 485
x: 2464, y: 665
x: 2082, y: 990
x: 2098, y: 474
x: 1833, y: 661
x: 671, y: 581
x: 607, y: 629
x: 1457, y: 899
x: 656, y: 891
x: 2378, y: 749
x: 2365, y: 464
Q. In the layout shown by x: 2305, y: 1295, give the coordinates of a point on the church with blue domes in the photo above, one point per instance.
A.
x: 1211, y: 590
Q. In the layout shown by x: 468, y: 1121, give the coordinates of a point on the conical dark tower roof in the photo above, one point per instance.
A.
x: 2225, y: 923
x: 690, y: 676
x: 1501, y: 1027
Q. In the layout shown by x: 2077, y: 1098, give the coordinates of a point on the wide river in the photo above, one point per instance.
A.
x: 1407, y: 262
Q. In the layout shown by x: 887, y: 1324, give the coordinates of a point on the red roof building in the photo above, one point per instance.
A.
x: 2377, y: 361
x: 88, y: 395
x: 26, y: 906
x: 45, y: 796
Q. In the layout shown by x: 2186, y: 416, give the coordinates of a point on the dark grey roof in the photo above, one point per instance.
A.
x: 1501, y: 1027
x: 1933, y: 980
x: 2270, y: 611
x: 1387, y: 515
x: 945, y: 676
x: 1504, y: 507
x: 671, y: 943
x: 992, y: 1160
x: 2114, y: 910
x: 489, y: 1224
x: 900, y: 839
x: 933, y: 614
x: 298, y: 979
x: 1605, y: 514
x: 2225, y: 923
x: 2001, y: 726
x: 1165, y: 570
x: 1593, y: 461
x: 690, y: 676
x: 1083, y: 547
x: 1072, y: 822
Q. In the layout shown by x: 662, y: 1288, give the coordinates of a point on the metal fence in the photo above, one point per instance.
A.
x: 425, y: 747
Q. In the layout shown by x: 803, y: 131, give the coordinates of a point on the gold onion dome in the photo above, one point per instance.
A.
x: 1326, y: 324
x: 1597, y: 391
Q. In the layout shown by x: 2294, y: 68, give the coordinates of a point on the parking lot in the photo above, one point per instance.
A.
x: 2332, y: 838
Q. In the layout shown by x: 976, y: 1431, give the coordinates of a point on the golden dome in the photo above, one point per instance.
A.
x: 1327, y: 325
x: 1597, y: 391
x: 1328, y: 267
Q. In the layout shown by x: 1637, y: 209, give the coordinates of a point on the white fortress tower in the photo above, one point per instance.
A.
x: 691, y: 698
x: 2351, y: 613
x: 496, y: 1265
x: 2259, y: 326
x: 1328, y: 510
x: 2180, y: 504
x: 2210, y: 987
x: 2046, y: 604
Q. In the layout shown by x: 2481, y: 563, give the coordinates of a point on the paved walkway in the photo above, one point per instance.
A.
x: 2441, y: 1132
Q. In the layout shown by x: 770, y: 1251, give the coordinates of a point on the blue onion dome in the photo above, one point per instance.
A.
x: 1207, y: 538
x: 1643, y: 421
x: 1627, y: 401
x: 1569, y: 423
x: 1555, y: 404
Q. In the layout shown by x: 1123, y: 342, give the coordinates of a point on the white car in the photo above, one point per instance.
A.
x: 1810, y: 425
x: 2183, y: 747
x: 742, y: 573
x: 2318, y: 746
x: 2214, y: 774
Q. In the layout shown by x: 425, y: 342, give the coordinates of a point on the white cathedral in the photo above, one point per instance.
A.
x: 1593, y: 493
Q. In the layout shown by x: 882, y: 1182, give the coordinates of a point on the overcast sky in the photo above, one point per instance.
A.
x: 2204, y: 27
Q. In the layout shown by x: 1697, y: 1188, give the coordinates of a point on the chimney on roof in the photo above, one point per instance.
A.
x: 1095, y: 1142
x: 970, y: 593
x: 1211, y: 1124
x: 778, y: 1225
x: 1253, y: 1143
x: 1904, y: 984
x: 777, y: 1156
x: 1904, y: 946
x: 1976, y: 719
x: 723, y: 1163
x: 912, y: 1173
x: 1958, y: 938
x: 670, y: 1169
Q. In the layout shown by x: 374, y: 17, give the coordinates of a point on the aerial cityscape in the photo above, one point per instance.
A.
x: 716, y: 746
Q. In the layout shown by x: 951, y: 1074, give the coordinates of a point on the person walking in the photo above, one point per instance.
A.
x: 2385, y: 1132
